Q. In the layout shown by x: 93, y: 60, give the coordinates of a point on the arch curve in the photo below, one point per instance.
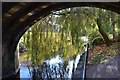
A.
x: 18, y: 17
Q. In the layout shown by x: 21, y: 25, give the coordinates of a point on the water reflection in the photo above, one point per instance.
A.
x: 53, y: 68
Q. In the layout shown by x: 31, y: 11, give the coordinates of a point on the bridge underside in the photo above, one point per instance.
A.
x: 17, y: 17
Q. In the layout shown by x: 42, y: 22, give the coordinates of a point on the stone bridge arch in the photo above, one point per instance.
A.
x: 17, y: 17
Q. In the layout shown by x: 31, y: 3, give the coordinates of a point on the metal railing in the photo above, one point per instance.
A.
x: 85, y: 58
x: 85, y: 61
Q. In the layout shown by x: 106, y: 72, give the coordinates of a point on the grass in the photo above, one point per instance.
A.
x: 97, y: 58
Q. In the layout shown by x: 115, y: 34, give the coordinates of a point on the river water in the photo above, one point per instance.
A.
x: 53, y: 68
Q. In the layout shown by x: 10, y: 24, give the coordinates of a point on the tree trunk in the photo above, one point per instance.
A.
x: 114, y: 35
x: 103, y: 34
x: 113, y: 26
x: 118, y: 27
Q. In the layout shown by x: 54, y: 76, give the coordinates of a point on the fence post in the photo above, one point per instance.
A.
x: 86, y: 60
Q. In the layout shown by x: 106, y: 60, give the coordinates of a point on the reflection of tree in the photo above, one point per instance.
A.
x: 55, y: 71
x: 49, y: 72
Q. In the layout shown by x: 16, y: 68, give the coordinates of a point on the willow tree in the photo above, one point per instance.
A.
x: 90, y: 21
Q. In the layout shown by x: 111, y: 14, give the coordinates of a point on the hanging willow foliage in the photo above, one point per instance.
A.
x: 44, y: 41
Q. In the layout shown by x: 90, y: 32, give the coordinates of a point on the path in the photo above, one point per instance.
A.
x: 109, y: 69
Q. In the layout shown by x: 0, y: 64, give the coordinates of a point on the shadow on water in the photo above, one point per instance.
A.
x: 54, y: 68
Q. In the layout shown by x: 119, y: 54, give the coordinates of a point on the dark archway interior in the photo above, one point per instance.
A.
x: 17, y: 17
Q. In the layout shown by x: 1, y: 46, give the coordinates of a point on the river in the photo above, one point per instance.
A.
x: 53, y: 68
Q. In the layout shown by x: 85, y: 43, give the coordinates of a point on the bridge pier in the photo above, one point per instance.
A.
x: 10, y: 64
x: 13, y: 76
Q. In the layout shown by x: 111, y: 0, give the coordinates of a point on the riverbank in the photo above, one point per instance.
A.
x: 102, y: 52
